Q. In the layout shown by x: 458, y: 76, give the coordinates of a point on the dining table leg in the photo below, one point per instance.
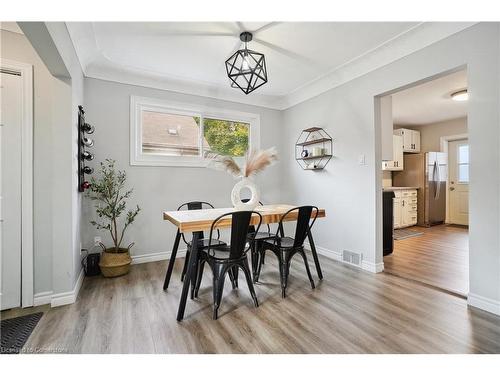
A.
x: 172, y: 260
x: 315, y: 255
x: 189, y: 277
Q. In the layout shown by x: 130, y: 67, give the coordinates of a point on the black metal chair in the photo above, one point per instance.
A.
x: 203, y: 243
x: 224, y: 259
x: 257, y: 242
x: 286, y: 247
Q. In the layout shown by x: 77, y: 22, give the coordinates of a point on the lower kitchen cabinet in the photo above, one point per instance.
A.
x: 405, y: 208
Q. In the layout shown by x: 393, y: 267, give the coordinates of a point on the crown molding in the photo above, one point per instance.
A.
x: 96, y: 64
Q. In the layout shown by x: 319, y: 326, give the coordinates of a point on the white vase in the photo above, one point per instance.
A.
x: 236, y: 195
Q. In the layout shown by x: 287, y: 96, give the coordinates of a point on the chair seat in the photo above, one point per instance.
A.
x: 203, y: 243
x: 260, y: 236
x: 218, y: 253
x: 283, y: 242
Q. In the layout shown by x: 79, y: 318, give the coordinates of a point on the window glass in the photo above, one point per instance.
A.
x: 463, y: 163
x: 463, y: 154
x: 226, y: 137
x: 170, y: 134
x: 463, y: 173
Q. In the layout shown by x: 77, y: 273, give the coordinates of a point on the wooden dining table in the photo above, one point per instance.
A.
x: 196, y: 221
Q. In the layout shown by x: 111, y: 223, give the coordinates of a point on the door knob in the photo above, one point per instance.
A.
x: 452, y: 188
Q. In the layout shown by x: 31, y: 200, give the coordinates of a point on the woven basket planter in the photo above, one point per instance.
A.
x: 115, y: 264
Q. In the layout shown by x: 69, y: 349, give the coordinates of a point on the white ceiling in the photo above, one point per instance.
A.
x: 430, y: 102
x: 189, y: 56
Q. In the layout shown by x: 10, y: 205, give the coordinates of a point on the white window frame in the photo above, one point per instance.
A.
x: 138, y: 104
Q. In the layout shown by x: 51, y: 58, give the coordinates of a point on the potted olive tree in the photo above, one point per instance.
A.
x: 108, y: 190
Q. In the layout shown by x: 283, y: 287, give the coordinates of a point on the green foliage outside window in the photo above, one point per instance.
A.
x: 226, y: 137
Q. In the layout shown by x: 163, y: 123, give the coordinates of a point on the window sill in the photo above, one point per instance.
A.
x: 158, y: 162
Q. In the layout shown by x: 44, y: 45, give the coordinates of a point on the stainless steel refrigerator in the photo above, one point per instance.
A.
x: 428, y: 172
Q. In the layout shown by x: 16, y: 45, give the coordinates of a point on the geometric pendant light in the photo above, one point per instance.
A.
x: 246, y: 68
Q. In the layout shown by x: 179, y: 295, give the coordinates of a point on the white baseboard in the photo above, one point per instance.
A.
x: 332, y: 254
x: 337, y: 255
x: 59, y: 299
x: 372, y: 267
x: 42, y: 298
x: 484, y: 303
x: 155, y: 257
x: 67, y: 298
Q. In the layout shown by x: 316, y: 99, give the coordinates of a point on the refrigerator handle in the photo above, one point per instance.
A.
x: 438, y: 181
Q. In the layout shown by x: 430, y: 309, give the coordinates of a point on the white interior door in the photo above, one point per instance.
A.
x: 11, y: 117
x: 458, y: 158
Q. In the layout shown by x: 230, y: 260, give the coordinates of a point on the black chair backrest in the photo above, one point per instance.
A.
x: 251, y: 229
x: 240, y: 222
x: 305, y: 220
x: 195, y: 205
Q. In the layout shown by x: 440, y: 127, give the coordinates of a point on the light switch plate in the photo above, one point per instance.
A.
x: 362, y: 159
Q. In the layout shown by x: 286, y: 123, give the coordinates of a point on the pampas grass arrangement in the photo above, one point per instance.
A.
x: 255, y: 161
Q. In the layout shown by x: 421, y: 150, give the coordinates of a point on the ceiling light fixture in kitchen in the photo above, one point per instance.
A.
x: 460, y: 96
x: 246, y: 68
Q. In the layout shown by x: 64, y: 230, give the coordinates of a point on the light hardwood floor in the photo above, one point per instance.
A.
x: 440, y: 257
x: 350, y: 311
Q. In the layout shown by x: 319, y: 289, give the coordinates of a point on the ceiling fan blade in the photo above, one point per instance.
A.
x: 265, y: 27
x: 196, y: 33
x: 240, y: 26
x: 285, y: 52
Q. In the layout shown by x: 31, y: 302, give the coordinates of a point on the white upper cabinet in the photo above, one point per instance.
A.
x: 411, y: 139
x: 396, y: 164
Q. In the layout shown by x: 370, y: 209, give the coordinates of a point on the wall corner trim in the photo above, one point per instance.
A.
x: 42, y: 298
x: 372, y: 267
x: 67, y: 298
x: 484, y: 303
x: 59, y: 299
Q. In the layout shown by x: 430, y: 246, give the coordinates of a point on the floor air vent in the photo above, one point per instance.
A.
x: 351, y: 257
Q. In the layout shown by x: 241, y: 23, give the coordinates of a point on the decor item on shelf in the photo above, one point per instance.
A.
x: 255, y: 162
x: 107, y: 190
x: 246, y: 68
x: 83, y: 154
x: 314, y: 149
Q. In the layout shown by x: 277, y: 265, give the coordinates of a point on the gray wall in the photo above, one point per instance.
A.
x: 351, y: 193
x: 69, y: 212
x: 17, y: 47
x: 430, y: 134
x: 157, y: 189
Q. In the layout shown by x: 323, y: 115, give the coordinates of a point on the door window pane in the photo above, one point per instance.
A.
x: 226, y: 137
x: 463, y: 173
x: 463, y: 154
x: 170, y: 134
x: 463, y: 163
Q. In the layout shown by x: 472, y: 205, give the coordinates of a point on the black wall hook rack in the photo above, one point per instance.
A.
x: 84, y: 142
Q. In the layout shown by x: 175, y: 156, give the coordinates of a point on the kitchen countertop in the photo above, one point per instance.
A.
x: 392, y: 188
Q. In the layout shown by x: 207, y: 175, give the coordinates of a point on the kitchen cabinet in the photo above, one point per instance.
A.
x: 405, y: 208
x: 411, y: 139
x: 396, y: 209
x: 396, y: 164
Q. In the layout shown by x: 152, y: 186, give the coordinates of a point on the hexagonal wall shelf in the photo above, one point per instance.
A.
x: 314, y: 149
